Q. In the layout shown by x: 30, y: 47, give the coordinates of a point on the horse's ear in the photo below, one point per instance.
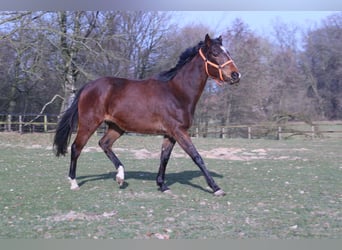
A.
x: 207, y: 40
x: 220, y: 39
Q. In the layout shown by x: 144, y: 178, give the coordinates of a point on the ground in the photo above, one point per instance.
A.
x: 288, y: 189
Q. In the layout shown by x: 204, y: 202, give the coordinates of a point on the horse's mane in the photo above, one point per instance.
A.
x: 184, y: 58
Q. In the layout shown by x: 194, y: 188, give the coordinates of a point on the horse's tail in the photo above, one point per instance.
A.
x: 65, y: 127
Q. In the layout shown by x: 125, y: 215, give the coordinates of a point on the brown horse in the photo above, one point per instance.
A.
x: 163, y: 105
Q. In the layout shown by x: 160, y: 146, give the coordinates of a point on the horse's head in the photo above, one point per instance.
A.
x: 218, y: 62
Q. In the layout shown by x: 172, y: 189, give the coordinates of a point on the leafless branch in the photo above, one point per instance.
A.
x: 44, y: 107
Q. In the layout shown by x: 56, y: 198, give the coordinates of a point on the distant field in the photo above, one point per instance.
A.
x: 289, y: 189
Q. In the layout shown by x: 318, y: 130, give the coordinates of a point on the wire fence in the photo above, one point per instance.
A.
x: 33, y: 123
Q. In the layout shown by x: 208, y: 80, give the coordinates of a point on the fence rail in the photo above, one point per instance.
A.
x: 47, y: 123
x: 317, y: 129
x: 28, y: 123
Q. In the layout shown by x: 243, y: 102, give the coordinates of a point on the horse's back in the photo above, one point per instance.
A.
x: 127, y: 103
x: 99, y: 91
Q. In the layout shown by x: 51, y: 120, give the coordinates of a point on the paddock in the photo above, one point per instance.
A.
x: 276, y: 189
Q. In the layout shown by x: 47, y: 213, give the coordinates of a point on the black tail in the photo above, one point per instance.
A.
x: 65, y: 127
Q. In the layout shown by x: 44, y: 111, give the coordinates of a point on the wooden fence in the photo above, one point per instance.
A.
x: 28, y: 123
x: 319, y: 129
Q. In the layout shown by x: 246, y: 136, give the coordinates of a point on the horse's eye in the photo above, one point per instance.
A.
x: 215, y: 52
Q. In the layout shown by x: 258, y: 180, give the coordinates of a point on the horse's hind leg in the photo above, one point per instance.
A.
x: 112, y: 134
x: 83, y: 135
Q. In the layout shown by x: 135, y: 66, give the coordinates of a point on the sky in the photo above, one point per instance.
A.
x: 260, y: 22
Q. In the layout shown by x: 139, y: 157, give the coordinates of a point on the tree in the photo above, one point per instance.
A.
x: 70, y: 48
x: 74, y: 28
x: 141, y: 41
x: 22, y: 62
x: 289, y: 87
x: 49, y: 54
x: 246, y: 103
x: 322, y: 61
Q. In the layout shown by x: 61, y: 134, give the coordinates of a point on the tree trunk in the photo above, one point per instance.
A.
x: 69, y: 52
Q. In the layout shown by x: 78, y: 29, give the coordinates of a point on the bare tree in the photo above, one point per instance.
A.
x: 59, y: 51
x: 250, y: 52
x: 140, y: 41
x: 45, y: 55
x: 322, y: 62
x: 21, y: 58
x: 74, y: 30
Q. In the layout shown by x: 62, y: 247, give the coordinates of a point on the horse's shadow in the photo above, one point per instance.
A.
x: 183, y: 177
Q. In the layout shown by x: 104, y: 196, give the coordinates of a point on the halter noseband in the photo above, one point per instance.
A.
x: 219, y: 67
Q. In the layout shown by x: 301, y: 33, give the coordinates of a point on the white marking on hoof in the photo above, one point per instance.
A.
x: 120, y: 176
x: 74, y: 185
x: 220, y: 192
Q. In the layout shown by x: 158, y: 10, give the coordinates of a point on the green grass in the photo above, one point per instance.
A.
x: 278, y: 189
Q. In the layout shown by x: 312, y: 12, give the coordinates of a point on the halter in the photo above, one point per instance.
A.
x: 219, y: 67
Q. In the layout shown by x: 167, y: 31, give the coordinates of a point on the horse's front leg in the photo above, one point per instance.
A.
x: 166, y: 150
x: 183, y: 139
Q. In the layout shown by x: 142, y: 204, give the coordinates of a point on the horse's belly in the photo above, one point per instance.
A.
x: 139, y: 124
x: 143, y: 129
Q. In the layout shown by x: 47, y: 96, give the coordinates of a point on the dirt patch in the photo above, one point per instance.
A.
x: 242, y: 154
x: 145, y: 154
x: 232, y: 154
x: 90, y: 149
x: 72, y: 215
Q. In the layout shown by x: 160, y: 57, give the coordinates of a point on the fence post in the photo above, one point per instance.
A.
x: 9, y: 123
x: 45, y: 123
x: 223, y: 133
x: 20, y: 124
x: 249, y: 133
x: 279, y: 133
x: 313, y: 132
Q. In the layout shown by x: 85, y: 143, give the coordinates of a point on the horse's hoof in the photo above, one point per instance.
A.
x: 164, y: 189
x: 219, y: 192
x: 120, y: 176
x: 119, y: 181
x: 74, y: 186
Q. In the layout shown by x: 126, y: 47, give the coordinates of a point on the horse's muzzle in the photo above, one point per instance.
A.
x: 235, y: 77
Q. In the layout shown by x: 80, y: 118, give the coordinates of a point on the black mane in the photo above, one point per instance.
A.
x: 184, y: 58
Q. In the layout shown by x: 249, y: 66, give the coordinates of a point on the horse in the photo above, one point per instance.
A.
x: 163, y: 104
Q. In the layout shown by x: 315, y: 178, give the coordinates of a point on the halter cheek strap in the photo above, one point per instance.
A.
x: 217, y: 66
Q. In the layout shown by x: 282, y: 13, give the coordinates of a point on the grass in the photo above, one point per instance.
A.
x: 275, y: 189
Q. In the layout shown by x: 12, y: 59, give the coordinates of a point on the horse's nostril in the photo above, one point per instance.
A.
x: 235, y: 75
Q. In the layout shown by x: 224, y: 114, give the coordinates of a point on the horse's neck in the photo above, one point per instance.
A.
x: 191, y: 79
